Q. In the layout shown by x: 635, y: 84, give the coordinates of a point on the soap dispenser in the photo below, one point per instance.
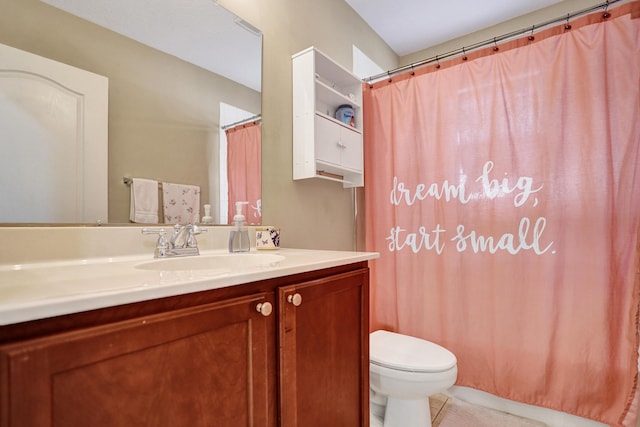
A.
x: 239, y: 236
x: 207, y: 218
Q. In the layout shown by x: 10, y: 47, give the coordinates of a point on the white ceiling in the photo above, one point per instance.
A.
x: 196, y: 31
x: 408, y: 26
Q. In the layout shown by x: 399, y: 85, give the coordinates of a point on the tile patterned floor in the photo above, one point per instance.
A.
x: 448, y: 412
x: 439, y: 404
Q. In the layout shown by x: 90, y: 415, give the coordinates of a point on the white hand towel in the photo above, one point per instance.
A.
x: 144, y: 201
x: 181, y: 203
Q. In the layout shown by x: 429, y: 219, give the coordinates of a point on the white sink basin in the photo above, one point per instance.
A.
x: 217, y: 262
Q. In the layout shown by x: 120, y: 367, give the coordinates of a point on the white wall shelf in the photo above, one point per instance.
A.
x: 324, y: 147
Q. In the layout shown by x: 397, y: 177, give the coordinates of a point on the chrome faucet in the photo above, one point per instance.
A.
x: 182, y: 243
x: 184, y: 236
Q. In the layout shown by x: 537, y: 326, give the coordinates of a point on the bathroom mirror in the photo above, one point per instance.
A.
x: 178, y: 72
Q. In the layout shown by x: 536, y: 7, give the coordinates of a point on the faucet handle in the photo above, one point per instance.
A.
x: 147, y: 230
x: 193, y: 230
x: 162, y: 244
x: 196, y: 229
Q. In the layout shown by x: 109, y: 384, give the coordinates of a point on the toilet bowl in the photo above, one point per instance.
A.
x: 404, y: 372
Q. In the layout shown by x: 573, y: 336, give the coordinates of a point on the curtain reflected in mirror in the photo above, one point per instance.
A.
x: 244, y: 151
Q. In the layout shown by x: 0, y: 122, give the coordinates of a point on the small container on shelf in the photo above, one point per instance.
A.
x: 346, y: 115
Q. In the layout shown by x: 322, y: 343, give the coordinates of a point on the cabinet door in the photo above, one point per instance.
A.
x: 351, y: 142
x: 211, y: 365
x: 324, y: 352
x: 327, y: 141
x: 338, y: 145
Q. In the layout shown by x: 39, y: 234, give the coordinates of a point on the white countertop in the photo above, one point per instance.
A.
x: 37, y: 291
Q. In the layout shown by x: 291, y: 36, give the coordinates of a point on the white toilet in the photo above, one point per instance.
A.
x: 404, y: 372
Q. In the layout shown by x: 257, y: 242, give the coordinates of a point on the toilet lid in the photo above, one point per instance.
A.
x: 406, y: 353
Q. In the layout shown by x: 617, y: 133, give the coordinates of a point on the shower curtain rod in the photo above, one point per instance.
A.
x: 239, y: 122
x: 493, y: 41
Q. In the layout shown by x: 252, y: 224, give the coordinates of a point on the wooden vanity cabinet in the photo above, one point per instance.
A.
x: 201, y: 366
x: 239, y: 356
x: 324, y: 352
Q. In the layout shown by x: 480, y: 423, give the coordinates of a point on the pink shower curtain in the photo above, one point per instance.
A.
x: 244, y: 153
x: 503, y: 193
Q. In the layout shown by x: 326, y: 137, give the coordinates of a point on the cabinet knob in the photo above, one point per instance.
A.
x: 264, y: 308
x: 295, y: 299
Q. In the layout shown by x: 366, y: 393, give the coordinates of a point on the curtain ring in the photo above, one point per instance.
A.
x: 413, y: 73
x: 567, y: 26
x: 606, y: 14
x: 531, y: 38
x: 389, y: 75
x: 437, y: 62
x: 495, y: 47
x: 464, y: 53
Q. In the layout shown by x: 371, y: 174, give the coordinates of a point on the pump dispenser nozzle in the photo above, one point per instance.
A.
x: 238, y: 217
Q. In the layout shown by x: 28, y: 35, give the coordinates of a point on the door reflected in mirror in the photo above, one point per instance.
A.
x: 165, y: 120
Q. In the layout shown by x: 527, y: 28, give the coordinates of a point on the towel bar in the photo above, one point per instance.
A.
x: 129, y: 181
